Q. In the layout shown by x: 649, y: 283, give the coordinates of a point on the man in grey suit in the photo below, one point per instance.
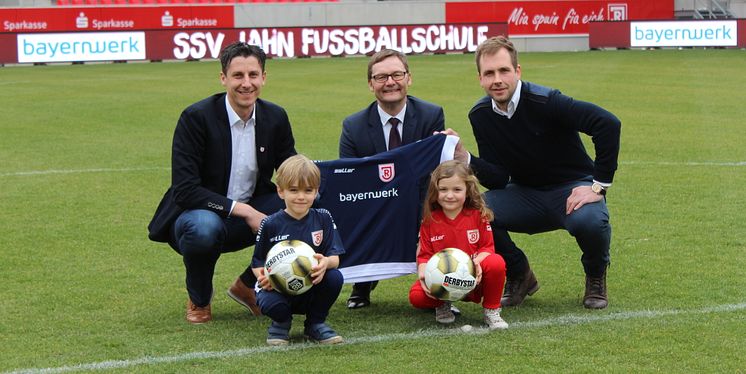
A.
x: 394, y: 119
x: 224, y: 151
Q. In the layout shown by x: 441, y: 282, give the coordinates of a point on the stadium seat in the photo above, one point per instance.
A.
x: 63, y: 2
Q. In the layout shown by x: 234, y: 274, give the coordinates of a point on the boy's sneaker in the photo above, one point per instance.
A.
x: 493, y: 320
x: 323, y: 334
x: 444, y: 314
x: 279, y: 333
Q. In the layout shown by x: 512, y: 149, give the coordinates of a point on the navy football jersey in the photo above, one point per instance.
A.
x: 376, y: 203
x: 316, y: 229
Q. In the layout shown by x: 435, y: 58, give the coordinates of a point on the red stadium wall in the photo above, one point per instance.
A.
x: 528, y: 18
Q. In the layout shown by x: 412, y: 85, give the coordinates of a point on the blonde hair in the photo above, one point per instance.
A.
x: 494, y: 45
x: 298, y: 171
x: 474, y: 199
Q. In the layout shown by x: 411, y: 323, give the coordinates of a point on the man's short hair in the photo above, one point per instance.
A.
x: 242, y: 49
x: 298, y: 171
x: 494, y: 45
x: 384, y: 54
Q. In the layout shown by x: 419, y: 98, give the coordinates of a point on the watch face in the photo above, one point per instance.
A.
x: 596, y: 188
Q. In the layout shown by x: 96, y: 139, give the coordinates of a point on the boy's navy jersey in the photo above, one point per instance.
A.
x: 316, y: 229
x: 376, y: 203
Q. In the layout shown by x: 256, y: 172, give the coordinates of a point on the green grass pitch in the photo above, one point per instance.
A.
x: 85, y: 157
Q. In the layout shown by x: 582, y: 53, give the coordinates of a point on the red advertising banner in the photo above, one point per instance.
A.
x: 323, y: 41
x: 551, y: 17
x: 27, y: 20
x: 277, y: 42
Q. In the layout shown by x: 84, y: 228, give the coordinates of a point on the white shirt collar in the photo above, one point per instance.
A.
x: 385, y: 116
x: 233, y: 117
x: 512, y: 104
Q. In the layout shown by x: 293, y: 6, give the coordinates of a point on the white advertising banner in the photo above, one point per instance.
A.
x: 89, y: 46
x: 684, y: 34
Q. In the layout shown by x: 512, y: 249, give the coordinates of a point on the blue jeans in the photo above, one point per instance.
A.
x: 201, y: 236
x: 315, y: 303
x: 530, y: 210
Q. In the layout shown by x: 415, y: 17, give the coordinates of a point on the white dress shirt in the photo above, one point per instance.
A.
x: 385, y: 117
x: 244, y: 168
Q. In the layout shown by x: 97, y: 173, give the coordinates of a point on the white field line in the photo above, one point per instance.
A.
x: 78, y: 171
x: 569, y: 319
x: 116, y: 170
x: 684, y: 163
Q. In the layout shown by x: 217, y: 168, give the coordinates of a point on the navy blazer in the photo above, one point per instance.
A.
x: 201, y: 160
x: 362, y: 133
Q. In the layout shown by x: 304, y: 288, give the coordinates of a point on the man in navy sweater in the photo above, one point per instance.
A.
x: 538, y: 174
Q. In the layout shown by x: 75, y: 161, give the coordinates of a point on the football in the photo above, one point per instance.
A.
x: 450, y: 274
x: 288, y: 266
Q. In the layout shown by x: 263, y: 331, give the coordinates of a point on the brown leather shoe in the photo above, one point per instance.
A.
x: 517, y: 289
x: 244, y: 296
x: 595, y: 292
x: 196, y: 314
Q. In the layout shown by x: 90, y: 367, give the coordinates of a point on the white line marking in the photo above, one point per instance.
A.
x: 684, y: 163
x: 77, y: 171
x: 570, y: 319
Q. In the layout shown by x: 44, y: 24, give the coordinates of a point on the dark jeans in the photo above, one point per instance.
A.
x: 315, y: 303
x: 201, y: 236
x: 530, y: 210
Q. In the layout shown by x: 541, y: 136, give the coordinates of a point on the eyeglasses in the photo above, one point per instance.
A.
x: 396, y: 76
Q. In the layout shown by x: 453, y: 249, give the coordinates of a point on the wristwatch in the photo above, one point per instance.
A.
x: 598, y: 188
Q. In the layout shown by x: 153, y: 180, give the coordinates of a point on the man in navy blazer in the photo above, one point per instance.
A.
x: 393, y: 119
x: 224, y: 151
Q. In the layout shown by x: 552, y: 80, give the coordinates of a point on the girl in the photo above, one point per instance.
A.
x: 455, y: 216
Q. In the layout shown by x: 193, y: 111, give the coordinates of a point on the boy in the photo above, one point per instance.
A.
x: 298, y: 180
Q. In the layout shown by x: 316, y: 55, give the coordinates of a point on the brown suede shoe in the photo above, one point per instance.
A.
x: 244, y: 296
x: 595, y: 292
x: 197, y: 315
x: 517, y: 289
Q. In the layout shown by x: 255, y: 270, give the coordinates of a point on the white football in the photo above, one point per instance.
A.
x: 288, y: 266
x: 450, y: 274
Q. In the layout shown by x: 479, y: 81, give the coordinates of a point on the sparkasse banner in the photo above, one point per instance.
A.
x: 684, y: 34
x: 131, y: 18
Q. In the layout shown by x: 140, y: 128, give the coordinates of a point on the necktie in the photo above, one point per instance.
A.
x: 394, y: 138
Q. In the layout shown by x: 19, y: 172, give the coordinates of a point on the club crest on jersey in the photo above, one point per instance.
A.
x: 386, y: 172
x: 473, y: 236
x: 318, y: 237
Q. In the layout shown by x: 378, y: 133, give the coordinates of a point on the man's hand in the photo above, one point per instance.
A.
x: 252, y: 216
x: 580, y: 196
x: 460, y: 153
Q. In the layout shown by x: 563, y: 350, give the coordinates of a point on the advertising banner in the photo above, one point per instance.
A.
x: 322, y: 41
x: 662, y: 34
x: 277, y: 42
x: 28, y: 20
x: 684, y: 34
x: 79, y: 46
x: 527, y: 18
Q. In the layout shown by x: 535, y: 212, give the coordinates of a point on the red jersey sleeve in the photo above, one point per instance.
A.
x: 486, y: 241
x: 426, y: 247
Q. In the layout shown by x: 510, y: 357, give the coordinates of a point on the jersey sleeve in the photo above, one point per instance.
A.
x: 332, y: 244
x: 486, y: 241
x: 426, y: 247
x: 262, y: 243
